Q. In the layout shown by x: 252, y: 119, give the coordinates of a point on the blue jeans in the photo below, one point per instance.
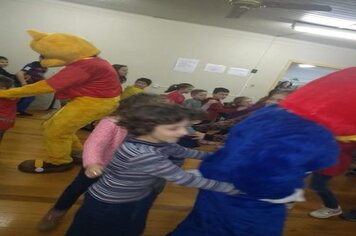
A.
x: 24, y: 103
x: 99, y: 218
x: 320, y: 184
x: 79, y: 185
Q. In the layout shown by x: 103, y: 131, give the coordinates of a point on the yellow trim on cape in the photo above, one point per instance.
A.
x: 346, y: 139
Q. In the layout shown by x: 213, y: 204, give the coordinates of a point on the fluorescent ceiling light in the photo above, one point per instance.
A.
x: 329, y: 21
x: 324, y: 30
x: 305, y: 66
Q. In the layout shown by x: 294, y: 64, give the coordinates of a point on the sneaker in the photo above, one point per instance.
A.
x: 349, y: 215
x: 324, y: 213
x: 50, y: 220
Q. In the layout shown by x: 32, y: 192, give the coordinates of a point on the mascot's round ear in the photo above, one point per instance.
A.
x: 36, y: 35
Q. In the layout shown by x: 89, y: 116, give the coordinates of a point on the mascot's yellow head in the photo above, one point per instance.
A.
x: 59, y: 49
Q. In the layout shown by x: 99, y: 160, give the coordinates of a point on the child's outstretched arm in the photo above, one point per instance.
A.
x: 167, y: 170
x: 175, y: 150
x: 99, y: 145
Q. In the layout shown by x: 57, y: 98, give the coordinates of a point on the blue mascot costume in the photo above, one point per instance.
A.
x: 268, y: 155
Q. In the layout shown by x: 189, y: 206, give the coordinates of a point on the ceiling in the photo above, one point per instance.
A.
x: 270, y: 21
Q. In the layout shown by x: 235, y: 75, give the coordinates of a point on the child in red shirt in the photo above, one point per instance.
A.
x: 218, y: 107
x: 7, y: 107
x: 176, y: 91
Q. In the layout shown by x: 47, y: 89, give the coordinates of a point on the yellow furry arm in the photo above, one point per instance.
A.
x: 40, y: 87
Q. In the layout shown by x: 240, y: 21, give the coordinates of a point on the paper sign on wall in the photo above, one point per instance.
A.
x: 238, y: 71
x: 186, y: 65
x: 215, y: 68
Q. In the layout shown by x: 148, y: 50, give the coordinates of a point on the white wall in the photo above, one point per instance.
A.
x: 150, y: 46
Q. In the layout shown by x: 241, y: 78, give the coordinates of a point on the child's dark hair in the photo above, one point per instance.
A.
x: 272, y: 93
x: 3, y: 58
x: 220, y: 90
x: 5, y: 82
x: 196, y: 91
x: 143, y: 119
x: 276, y: 91
x: 282, y: 84
x: 117, y: 67
x: 145, y: 80
x: 175, y: 87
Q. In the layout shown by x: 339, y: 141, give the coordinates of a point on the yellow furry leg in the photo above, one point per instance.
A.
x: 59, y: 131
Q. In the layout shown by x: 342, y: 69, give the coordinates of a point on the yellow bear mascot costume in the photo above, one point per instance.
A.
x: 91, y: 84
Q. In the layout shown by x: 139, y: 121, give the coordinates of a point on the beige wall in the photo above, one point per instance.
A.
x: 150, y: 46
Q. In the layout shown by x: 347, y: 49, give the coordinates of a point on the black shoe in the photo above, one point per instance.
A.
x: 24, y: 114
x: 30, y: 167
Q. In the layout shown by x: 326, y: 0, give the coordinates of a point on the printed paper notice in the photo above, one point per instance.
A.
x: 238, y: 71
x: 215, y: 68
x: 186, y: 65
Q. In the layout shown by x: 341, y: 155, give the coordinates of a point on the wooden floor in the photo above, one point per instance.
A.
x: 24, y: 198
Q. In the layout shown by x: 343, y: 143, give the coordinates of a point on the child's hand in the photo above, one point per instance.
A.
x: 197, y: 135
x: 94, y: 171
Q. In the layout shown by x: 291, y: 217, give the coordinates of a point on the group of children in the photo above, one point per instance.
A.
x: 213, y: 105
x: 129, y: 156
x: 145, y: 127
x: 125, y: 159
x: 319, y: 181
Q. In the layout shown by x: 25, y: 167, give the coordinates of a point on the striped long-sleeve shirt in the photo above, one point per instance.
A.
x: 137, y: 165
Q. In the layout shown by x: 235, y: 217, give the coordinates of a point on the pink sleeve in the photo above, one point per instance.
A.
x: 100, y: 141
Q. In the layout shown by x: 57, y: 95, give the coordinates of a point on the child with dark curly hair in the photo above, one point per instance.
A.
x: 118, y: 203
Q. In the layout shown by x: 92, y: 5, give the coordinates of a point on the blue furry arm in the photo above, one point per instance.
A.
x: 268, y: 154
